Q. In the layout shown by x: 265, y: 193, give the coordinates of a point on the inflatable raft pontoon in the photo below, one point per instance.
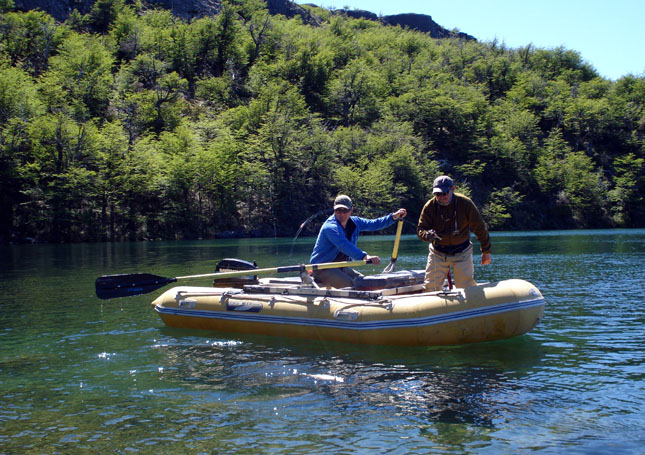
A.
x: 387, y: 309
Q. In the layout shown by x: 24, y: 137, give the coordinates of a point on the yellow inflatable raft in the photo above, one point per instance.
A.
x: 400, y: 315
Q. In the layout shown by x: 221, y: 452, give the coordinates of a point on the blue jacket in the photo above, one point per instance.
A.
x: 331, y: 238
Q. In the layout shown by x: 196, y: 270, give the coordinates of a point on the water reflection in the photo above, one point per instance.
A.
x: 471, y: 384
x: 79, y: 376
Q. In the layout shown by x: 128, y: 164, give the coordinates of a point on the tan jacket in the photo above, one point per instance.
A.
x: 442, y: 219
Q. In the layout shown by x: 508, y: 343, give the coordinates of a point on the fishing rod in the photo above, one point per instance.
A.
x: 302, y: 226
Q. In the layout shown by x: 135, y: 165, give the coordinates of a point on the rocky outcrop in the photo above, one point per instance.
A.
x: 419, y: 22
x: 61, y: 9
x: 290, y: 9
x: 188, y: 9
x: 357, y: 14
x: 58, y: 9
x: 423, y: 23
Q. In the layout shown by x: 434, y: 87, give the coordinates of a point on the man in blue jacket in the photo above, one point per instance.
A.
x: 337, y: 242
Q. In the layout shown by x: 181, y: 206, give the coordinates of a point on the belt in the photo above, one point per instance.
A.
x: 451, y: 249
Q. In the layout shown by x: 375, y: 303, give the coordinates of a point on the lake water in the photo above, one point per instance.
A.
x: 81, y: 375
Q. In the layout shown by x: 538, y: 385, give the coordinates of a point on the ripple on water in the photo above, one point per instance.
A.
x: 78, y: 375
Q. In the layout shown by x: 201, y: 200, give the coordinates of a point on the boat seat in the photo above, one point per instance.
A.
x: 389, y: 280
x: 366, y: 283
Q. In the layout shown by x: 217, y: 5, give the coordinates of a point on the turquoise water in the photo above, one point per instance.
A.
x: 81, y: 375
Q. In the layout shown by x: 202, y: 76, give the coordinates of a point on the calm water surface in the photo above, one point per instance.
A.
x: 80, y: 375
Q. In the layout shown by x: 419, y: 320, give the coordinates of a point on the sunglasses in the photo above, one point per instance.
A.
x: 341, y: 210
x: 441, y: 194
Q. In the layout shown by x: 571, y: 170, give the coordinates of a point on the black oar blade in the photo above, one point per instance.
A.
x: 113, y: 286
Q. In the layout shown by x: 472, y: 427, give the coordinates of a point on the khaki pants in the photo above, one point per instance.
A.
x: 336, y: 278
x: 439, y: 264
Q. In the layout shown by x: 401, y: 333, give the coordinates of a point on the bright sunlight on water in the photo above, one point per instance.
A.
x: 80, y: 375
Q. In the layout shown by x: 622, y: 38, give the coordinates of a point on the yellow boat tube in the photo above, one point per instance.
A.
x: 405, y: 315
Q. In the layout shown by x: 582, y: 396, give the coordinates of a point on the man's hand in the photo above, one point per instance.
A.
x: 373, y: 259
x: 486, y: 258
x: 399, y: 214
x: 430, y: 235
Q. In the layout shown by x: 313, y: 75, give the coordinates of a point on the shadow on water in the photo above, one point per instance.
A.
x: 466, y: 384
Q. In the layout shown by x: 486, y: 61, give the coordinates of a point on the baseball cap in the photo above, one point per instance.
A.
x: 342, y: 202
x: 442, y: 184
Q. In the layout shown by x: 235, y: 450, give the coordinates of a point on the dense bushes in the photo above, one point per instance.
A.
x: 131, y: 124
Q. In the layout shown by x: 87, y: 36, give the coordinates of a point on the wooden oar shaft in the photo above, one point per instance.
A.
x: 113, y: 286
x: 284, y: 269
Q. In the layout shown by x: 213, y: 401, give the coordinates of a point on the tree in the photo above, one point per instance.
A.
x: 82, y: 70
x: 156, y: 127
x: 283, y: 127
x: 18, y: 95
x: 15, y: 156
x: 59, y: 175
x: 126, y: 32
x: 30, y: 39
x: 560, y: 62
x: 217, y: 178
x: 104, y: 13
x: 627, y: 195
x: 514, y: 142
x: 156, y: 109
x: 353, y: 94
x: 449, y: 118
x: 570, y: 179
x: 6, y: 6
x: 217, y: 43
x: 259, y: 24
x: 497, y: 212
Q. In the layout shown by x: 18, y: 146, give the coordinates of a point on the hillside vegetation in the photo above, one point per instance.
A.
x: 134, y: 124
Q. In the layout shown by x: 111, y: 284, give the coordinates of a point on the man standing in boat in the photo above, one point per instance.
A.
x: 446, y: 222
x: 337, y: 242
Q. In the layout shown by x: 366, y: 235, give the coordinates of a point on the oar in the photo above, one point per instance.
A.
x: 113, y: 286
x: 390, y: 266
